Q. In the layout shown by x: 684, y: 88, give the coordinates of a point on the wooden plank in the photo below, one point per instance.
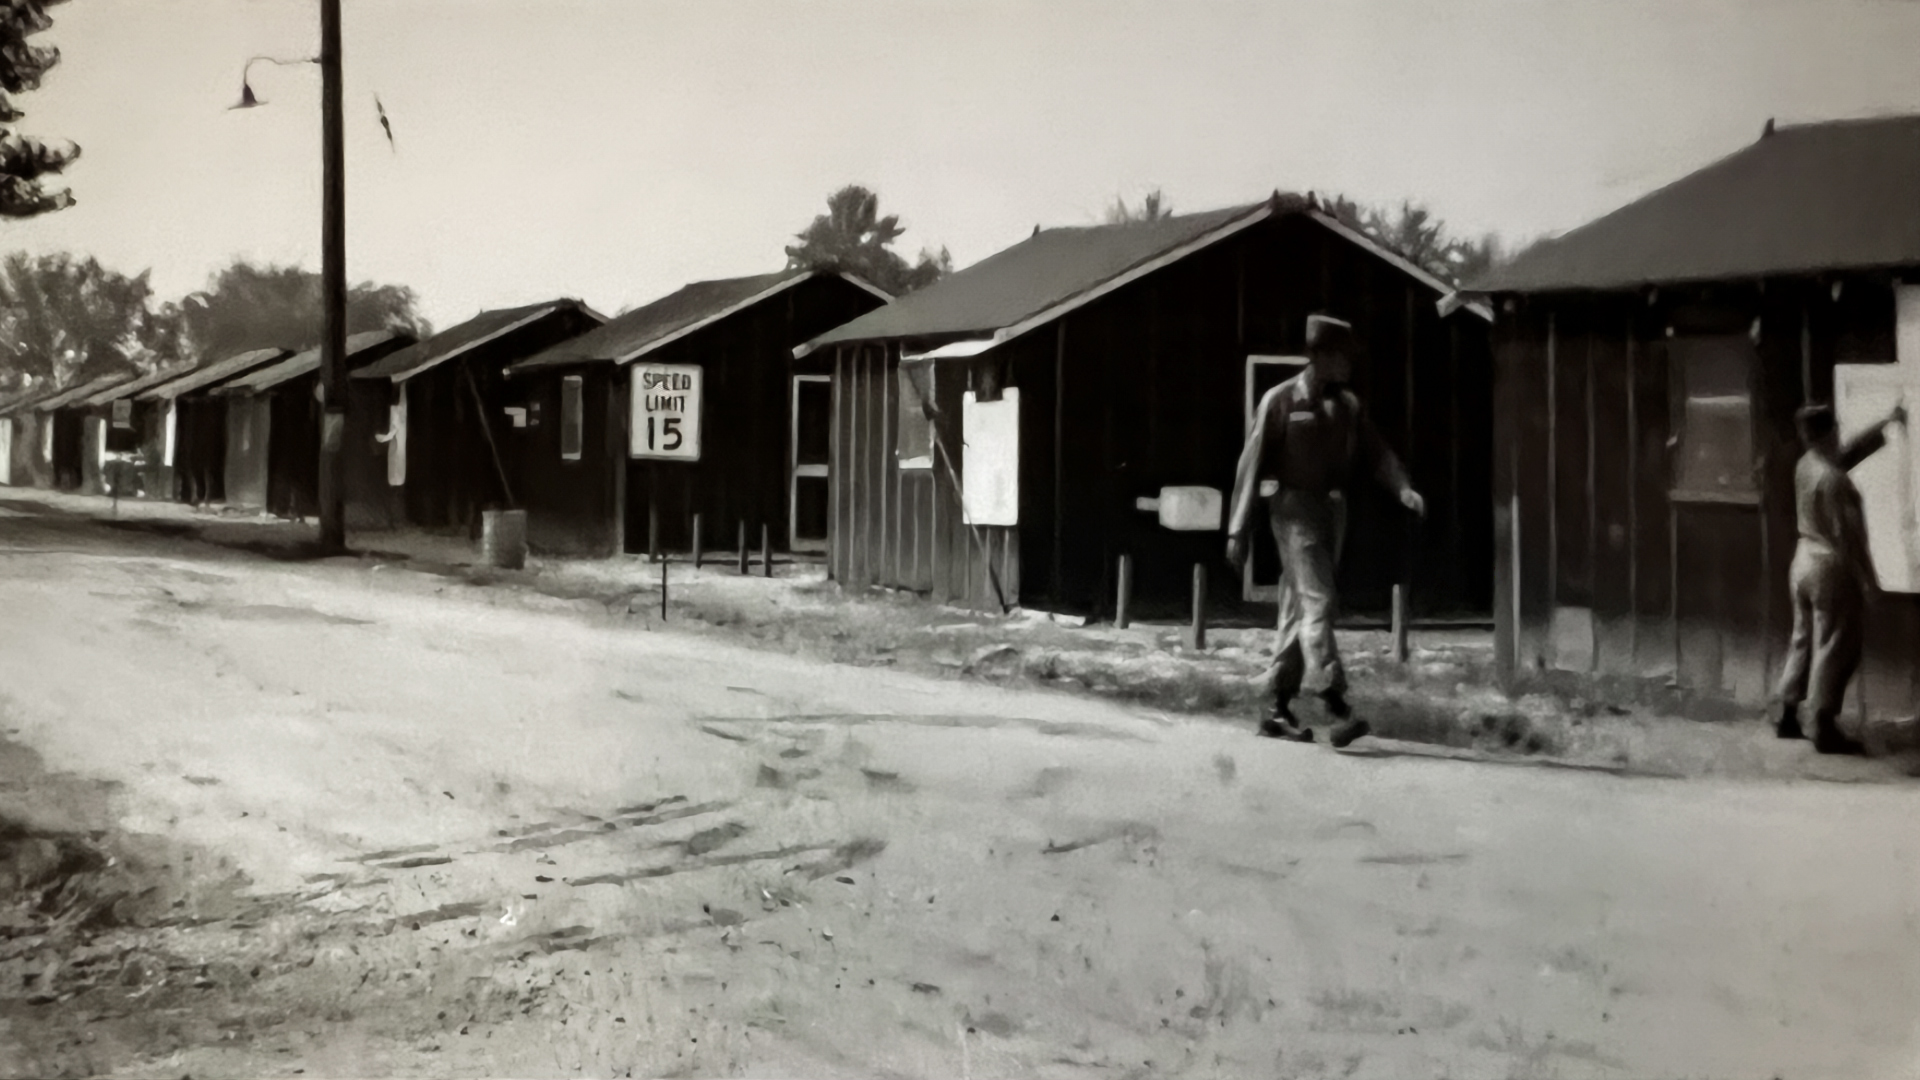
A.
x: 900, y: 558
x: 1610, y: 493
x: 1055, y: 586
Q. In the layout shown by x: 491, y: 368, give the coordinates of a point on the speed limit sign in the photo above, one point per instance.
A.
x: 666, y: 412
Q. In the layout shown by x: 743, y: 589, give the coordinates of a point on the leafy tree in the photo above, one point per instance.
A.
x: 248, y: 306
x: 1423, y: 238
x: 1152, y: 208
x: 853, y: 238
x: 69, y: 320
x: 26, y: 161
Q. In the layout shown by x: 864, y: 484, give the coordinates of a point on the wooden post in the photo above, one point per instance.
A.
x: 663, y: 590
x: 1122, y: 615
x: 1197, y: 630
x: 1400, y: 623
x: 743, y: 545
x: 653, y: 515
x: 766, y: 552
x: 696, y: 541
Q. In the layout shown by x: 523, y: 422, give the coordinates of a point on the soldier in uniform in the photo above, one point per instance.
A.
x: 1832, y: 577
x: 1309, y: 435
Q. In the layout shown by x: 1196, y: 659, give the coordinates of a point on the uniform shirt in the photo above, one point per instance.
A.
x: 1311, y: 446
x: 1826, y: 505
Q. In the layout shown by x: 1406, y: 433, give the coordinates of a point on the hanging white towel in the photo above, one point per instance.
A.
x: 395, y: 438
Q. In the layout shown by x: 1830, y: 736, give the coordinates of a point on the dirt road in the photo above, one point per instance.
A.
x: 397, y: 825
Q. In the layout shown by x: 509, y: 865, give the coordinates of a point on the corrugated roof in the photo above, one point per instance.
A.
x: 91, y: 386
x: 451, y: 342
x: 1045, y: 270
x: 1840, y: 195
x: 272, y: 375
x: 646, y: 328
x: 152, y: 378
x: 210, y: 374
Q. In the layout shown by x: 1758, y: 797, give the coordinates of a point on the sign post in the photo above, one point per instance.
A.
x: 666, y: 412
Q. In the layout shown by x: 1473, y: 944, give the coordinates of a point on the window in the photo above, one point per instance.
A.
x: 571, y: 417
x: 1714, y: 452
x: 915, y: 445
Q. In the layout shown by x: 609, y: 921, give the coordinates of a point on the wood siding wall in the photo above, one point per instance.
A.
x: 1609, y: 581
x: 605, y: 502
x: 1145, y: 388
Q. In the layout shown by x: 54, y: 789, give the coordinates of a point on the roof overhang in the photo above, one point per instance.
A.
x: 425, y: 365
x: 732, y: 309
x: 958, y: 350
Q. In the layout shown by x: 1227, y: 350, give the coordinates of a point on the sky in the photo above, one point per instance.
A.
x: 613, y: 150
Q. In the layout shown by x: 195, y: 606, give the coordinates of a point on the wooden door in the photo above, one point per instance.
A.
x: 809, y: 451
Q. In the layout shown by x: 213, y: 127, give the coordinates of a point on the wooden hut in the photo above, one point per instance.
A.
x: 27, y: 450
x: 1088, y: 382
x: 72, y: 454
x: 426, y: 424
x: 1648, y: 367
x: 115, y: 428
x: 189, y: 434
x: 273, y: 427
x: 743, y: 444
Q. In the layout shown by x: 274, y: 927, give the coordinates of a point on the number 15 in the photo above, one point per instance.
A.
x: 669, y: 430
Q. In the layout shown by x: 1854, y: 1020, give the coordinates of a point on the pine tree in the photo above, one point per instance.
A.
x: 26, y: 161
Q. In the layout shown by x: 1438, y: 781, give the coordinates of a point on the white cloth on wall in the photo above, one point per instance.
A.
x: 990, y: 458
x: 395, y: 438
x: 172, y: 425
x: 1889, y: 481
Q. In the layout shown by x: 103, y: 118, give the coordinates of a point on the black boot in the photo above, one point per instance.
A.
x: 1787, y: 724
x: 1335, y: 700
x: 1829, y: 739
x: 1280, y: 724
x: 1346, y: 731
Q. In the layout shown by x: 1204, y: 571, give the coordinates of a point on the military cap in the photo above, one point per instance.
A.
x: 1324, y: 332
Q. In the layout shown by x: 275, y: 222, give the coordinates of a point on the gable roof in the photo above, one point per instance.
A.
x: 272, y: 375
x: 452, y: 342
x: 92, y: 386
x: 1056, y: 270
x: 126, y: 389
x: 686, y: 310
x: 209, y: 374
x: 26, y: 399
x: 1806, y: 198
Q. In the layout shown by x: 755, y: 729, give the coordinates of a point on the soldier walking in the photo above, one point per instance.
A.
x: 1309, y: 433
x: 1831, y: 578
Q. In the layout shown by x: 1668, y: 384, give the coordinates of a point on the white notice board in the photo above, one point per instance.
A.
x: 1863, y: 395
x: 666, y: 412
x: 990, y: 458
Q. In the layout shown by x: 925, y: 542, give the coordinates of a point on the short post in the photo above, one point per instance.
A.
x: 696, y: 541
x: 653, y: 530
x: 766, y: 551
x: 1122, y: 616
x: 1197, y: 632
x: 1400, y: 623
x: 663, y: 590
x: 743, y: 545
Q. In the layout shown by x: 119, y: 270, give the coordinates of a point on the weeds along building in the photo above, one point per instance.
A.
x: 1004, y: 435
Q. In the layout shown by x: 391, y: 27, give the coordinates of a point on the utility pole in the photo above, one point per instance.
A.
x: 333, y: 287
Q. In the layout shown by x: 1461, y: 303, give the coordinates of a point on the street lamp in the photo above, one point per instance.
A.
x: 333, y: 273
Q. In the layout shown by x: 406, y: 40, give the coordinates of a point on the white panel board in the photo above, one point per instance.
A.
x: 1191, y: 509
x: 990, y: 458
x: 6, y: 450
x: 1862, y: 396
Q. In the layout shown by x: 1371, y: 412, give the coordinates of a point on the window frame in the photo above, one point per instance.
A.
x: 573, y: 416
x: 1681, y: 426
x: 920, y: 421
